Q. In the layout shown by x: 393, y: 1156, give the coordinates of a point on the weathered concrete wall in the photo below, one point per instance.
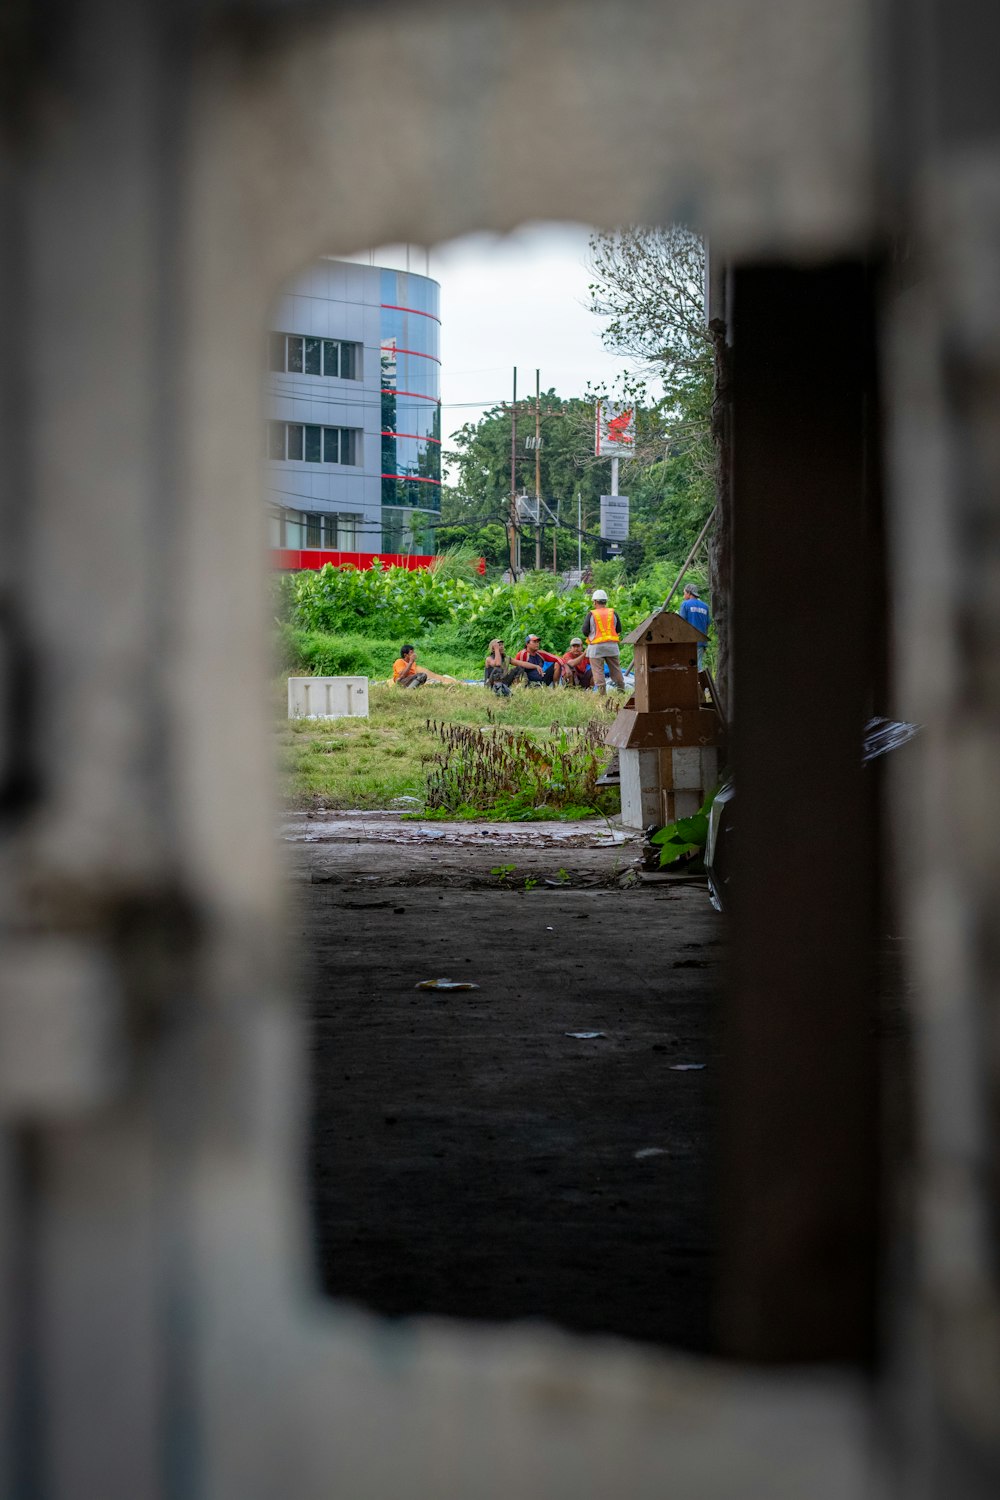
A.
x: 161, y: 175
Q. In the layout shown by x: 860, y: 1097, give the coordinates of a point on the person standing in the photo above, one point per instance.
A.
x: 602, y: 629
x: 696, y: 613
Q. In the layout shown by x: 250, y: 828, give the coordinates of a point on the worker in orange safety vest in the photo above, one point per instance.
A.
x: 602, y: 629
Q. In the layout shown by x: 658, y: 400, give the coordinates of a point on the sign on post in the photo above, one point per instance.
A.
x: 615, y: 434
x: 614, y: 518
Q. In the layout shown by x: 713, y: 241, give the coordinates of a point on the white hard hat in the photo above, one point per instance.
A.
x: 599, y: 597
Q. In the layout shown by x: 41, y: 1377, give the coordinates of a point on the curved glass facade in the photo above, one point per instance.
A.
x: 354, y: 433
x: 411, y: 402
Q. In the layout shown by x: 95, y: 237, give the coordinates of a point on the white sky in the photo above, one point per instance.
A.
x: 518, y: 299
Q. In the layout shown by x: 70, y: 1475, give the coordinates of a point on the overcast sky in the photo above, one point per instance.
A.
x: 518, y: 299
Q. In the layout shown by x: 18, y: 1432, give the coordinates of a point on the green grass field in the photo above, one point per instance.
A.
x: 373, y: 763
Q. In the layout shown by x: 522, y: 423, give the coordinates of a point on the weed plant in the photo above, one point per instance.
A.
x: 512, y: 774
x: 383, y: 761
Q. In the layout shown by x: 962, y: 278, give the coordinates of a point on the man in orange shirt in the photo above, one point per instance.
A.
x: 406, y: 673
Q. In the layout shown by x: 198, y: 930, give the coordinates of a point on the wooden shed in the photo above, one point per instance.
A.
x: 666, y: 663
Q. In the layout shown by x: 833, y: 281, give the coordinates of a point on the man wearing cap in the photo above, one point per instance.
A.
x: 540, y: 668
x: 696, y: 614
x: 576, y: 667
x: 603, y: 629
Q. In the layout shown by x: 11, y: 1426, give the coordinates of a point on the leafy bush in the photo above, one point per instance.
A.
x: 685, y: 839
x: 445, y: 614
x: 313, y: 653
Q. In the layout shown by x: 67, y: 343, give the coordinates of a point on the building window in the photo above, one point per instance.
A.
x: 398, y: 489
x: 301, y: 354
x: 407, y: 531
x: 312, y: 529
x: 312, y: 444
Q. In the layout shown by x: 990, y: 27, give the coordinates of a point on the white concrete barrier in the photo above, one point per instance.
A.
x: 327, y: 697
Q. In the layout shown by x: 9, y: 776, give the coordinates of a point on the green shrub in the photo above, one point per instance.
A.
x: 316, y: 654
x: 449, y: 618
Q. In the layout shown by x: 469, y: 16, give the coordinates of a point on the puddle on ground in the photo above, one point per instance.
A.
x: 391, y: 828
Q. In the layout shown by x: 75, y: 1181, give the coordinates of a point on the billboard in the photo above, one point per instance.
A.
x: 614, y: 518
x: 615, y: 430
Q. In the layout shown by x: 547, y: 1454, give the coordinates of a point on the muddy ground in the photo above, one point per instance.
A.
x: 467, y: 1156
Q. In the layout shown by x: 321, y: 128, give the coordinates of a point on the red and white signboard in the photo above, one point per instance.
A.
x: 615, y: 430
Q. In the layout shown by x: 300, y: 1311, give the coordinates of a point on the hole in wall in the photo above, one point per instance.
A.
x: 541, y: 1145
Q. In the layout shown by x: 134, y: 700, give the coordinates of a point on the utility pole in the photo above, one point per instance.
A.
x: 579, y: 534
x: 512, y: 527
x: 538, y: 471
x: 555, y: 541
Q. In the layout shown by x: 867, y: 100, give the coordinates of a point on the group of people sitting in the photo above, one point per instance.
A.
x: 581, y: 665
x: 537, y: 668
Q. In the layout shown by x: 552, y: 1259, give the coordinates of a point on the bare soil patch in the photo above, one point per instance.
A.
x: 469, y: 1158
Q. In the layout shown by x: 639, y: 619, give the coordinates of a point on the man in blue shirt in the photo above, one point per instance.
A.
x: 696, y: 614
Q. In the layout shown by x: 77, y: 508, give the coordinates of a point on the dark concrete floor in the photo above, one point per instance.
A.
x: 469, y: 1158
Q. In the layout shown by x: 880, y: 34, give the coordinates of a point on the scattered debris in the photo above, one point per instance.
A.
x: 446, y: 984
x: 649, y: 1151
x: 585, y: 1036
x: 686, y: 1067
x: 393, y: 827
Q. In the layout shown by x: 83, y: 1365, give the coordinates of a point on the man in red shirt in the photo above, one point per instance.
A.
x: 540, y: 668
x: 576, y: 667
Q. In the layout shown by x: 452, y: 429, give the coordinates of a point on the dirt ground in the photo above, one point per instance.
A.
x: 468, y: 1157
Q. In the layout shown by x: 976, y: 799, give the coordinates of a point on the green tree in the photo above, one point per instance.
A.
x: 482, y: 455
x: 648, y: 284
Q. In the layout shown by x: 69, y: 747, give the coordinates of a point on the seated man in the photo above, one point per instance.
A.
x: 540, y: 668
x: 576, y: 666
x: 406, y: 673
x: 496, y: 668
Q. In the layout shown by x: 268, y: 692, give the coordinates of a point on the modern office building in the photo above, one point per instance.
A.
x: 354, y: 402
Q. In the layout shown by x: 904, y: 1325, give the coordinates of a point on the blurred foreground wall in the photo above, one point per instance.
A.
x: 162, y: 171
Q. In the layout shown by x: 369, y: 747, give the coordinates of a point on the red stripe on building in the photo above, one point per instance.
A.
x: 291, y: 559
x: 395, y: 349
x: 395, y: 307
x: 390, y: 390
x: 417, y: 478
x: 420, y: 437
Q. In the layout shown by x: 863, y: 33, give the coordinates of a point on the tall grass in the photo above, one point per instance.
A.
x: 385, y: 760
x: 515, y: 774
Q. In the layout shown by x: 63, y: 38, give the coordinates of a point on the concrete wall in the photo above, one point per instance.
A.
x: 164, y: 173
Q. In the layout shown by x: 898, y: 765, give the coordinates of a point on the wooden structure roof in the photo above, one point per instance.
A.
x: 663, y: 628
